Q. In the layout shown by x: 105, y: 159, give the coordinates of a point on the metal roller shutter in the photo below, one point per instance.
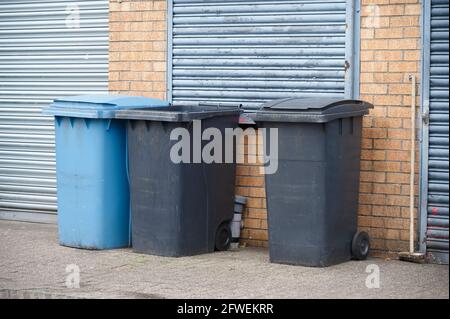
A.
x: 44, y: 54
x: 252, y: 51
x: 435, y: 203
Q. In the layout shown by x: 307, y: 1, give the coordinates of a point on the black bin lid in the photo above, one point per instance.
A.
x: 311, y: 110
x: 178, y: 113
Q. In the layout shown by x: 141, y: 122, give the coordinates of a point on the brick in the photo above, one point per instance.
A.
x: 130, y: 76
x: 113, y: 76
x: 412, y: 32
x: 378, y: 244
x: 412, y: 56
x: 154, y: 76
x: 387, y: 189
x: 374, y: 22
x: 388, y: 100
x: 365, y: 209
x: 366, y: 187
x: 403, y: 1
x: 140, y: 5
x: 394, y: 223
x: 374, y: 133
x: 392, y: 10
x: 367, y: 33
x: 160, y: 5
x: 387, y: 122
x: 264, y: 224
x: 371, y: 2
x: 386, y: 211
x: 397, y: 156
x: 388, y: 55
x: 399, y: 178
x: 159, y: 66
x: 154, y: 16
x: 413, y: 9
x: 252, y: 223
x: 392, y: 234
x: 386, y: 166
x: 119, y: 86
x: 399, y: 89
x: 159, y: 86
x: 372, y: 199
x: 366, y: 165
x: 397, y: 200
x: 373, y: 155
x: 367, y: 122
x: 256, y: 213
x: 374, y: 66
x: 403, y: 67
x: 257, y: 192
x: 250, y: 181
x: 398, y: 134
x: 141, y: 86
x: 402, y: 112
x: 388, y: 77
x: 374, y: 89
x: 119, y: 66
x: 389, y: 33
x: 366, y: 77
x: 255, y: 202
x: 242, y: 191
x: 371, y: 176
x: 367, y: 143
x: 378, y: 111
x: 405, y: 21
x: 387, y: 144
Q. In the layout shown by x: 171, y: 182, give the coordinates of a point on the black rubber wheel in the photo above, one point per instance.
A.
x: 360, y: 246
x: 223, y: 237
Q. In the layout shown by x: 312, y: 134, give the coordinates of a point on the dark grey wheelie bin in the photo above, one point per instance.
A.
x: 179, y: 208
x: 313, y: 196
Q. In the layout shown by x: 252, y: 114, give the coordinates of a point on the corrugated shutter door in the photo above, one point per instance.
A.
x: 438, y: 155
x: 44, y: 54
x: 257, y: 50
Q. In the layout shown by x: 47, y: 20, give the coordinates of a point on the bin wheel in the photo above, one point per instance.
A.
x: 223, y: 237
x: 360, y: 246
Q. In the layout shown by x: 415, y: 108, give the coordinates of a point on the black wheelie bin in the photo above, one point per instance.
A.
x: 179, y: 207
x: 313, y: 196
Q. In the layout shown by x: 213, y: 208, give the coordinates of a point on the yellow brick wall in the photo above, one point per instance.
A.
x: 138, y: 47
x: 250, y: 183
x: 390, y: 51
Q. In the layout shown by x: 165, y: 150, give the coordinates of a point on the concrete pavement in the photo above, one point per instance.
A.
x: 33, y: 265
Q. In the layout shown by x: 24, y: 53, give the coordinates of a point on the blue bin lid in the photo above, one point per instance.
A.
x: 99, y: 106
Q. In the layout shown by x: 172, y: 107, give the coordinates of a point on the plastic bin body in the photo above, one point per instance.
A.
x: 91, y: 169
x: 313, y: 197
x: 176, y: 208
x: 92, y: 185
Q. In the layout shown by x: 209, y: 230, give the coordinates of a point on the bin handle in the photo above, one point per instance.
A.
x: 220, y: 105
x: 127, y: 168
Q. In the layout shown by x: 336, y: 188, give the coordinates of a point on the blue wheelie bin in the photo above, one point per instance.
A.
x: 91, y: 169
